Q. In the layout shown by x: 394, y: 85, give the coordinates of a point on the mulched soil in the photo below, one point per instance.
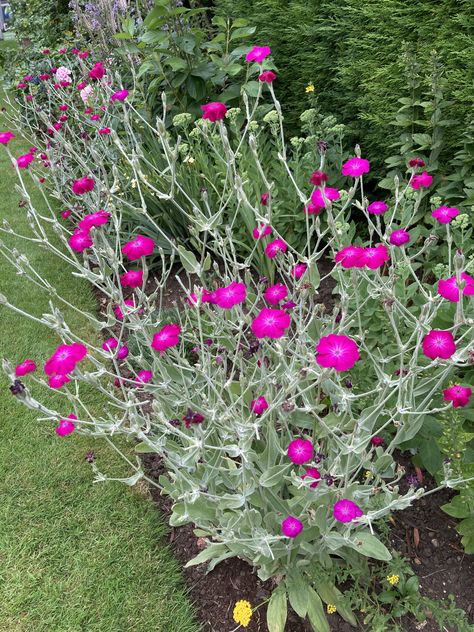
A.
x: 423, y: 533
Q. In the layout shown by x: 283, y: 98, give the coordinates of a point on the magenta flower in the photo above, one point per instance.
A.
x: 270, y: 323
x: 355, y: 167
x: 439, y: 344
x: 58, y: 381
x: 416, y: 162
x: 120, y: 95
x: 97, y: 71
x: 317, y: 201
x: 275, y: 293
x: 208, y: 297
x: 144, y: 376
x: 104, y: 131
x: 27, y: 366
x: 110, y: 344
x: 6, y: 137
x: 66, y: 426
x: 291, y: 527
x: 258, y: 53
x: 346, y: 511
x: 421, y: 181
x: 274, y: 247
x: 445, y: 214
x: 399, y: 237
x: 448, y: 288
x: 375, y: 257
x: 65, y: 358
x: 377, y: 441
x: 264, y: 198
x: 214, y: 111
x: 234, y: 294
x: 351, y: 257
x: 458, y: 395
x: 377, y: 208
x: 298, y: 270
x: 337, y: 352
x: 24, y: 161
x: 318, y: 177
x: 64, y: 107
x: 139, y: 247
x: 314, y: 473
x: 267, y: 77
x: 94, y: 219
x: 83, y: 185
x: 118, y: 311
x: 80, y: 240
x: 300, y: 451
x: 122, y: 353
x: 132, y: 278
x: 262, y: 231
x: 259, y: 405
x: 288, y: 305
x: 45, y: 76
x: 167, y: 337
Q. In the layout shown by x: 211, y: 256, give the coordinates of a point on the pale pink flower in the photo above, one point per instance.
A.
x: 337, y: 352
x: 399, y: 237
x: 291, y: 527
x: 86, y: 93
x: 274, y: 247
x: 458, y: 395
x: 346, y: 511
x: 275, y: 293
x: 63, y: 74
x: 355, y: 167
x: 445, y: 214
x: 439, y: 344
x: 377, y: 208
x: 300, y: 451
x: 167, y: 337
x: 259, y: 405
x: 214, y: 111
x: 448, y: 288
x: 139, y: 247
x: 227, y: 297
x: 270, y: 323
x: 258, y: 53
x: 66, y: 426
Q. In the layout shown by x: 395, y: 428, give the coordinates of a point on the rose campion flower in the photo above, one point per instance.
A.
x: 258, y: 53
x: 448, y: 288
x: 83, y: 185
x: 458, y: 395
x: 314, y: 473
x: 267, y: 76
x: 110, y: 344
x: 288, y: 305
x: 139, y: 247
x: 58, y: 381
x: 84, y: 54
x: 270, y: 323
x: 208, y: 297
x: 262, y: 231
x: 231, y: 295
x: 317, y: 200
x: 167, y: 337
x: 97, y: 71
x: 275, y: 293
x: 377, y: 208
x: 355, y: 167
x: 346, y: 511
x: 80, y: 240
x: 291, y: 527
x: 65, y: 214
x: 144, y: 376
x: 65, y: 358
x: 264, y: 198
x: 45, y: 76
x: 6, y: 137
x: 377, y: 441
x: 129, y: 302
x: 337, y: 352
x: 259, y: 405
x: 27, y: 366
x: 298, y: 270
x: 300, y: 451
x: 375, y: 257
x: 421, y: 181
x: 94, y: 219
x: 318, y: 177
x: 445, y: 214
x: 132, y: 278
x: 350, y: 257
x: 274, y: 247
x: 95, y: 117
x: 439, y: 344
x: 122, y: 353
x: 24, y: 161
x: 66, y: 426
x: 120, y: 95
x: 399, y: 237
x: 214, y: 111
x: 104, y: 131
x: 416, y: 162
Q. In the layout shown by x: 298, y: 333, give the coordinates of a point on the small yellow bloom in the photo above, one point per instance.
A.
x: 393, y: 579
x: 368, y: 474
x: 331, y: 608
x: 242, y: 612
x: 310, y: 87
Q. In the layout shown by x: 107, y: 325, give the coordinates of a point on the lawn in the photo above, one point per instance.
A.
x: 74, y: 556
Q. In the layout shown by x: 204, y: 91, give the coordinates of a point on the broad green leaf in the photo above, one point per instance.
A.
x: 298, y: 594
x: 331, y: 595
x: 244, y: 31
x: 457, y: 508
x: 370, y: 546
x: 316, y: 613
x: 273, y: 475
x: 277, y: 610
x: 212, y: 550
x: 188, y: 260
x: 143, y: 448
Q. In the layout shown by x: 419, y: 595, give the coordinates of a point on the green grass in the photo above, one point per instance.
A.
x: 74, y: 556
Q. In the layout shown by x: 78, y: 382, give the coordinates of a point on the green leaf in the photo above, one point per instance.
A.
x: 252, y: 88
x: 273, y: 475
x: 143, y: 448
x: 244, y: 31
x: 188, y: 260
x: 212, y: 550
x: 431, y: 456
x: 370, y: 546
x: 298, y: 594
x: 316, y: 614
x: 457, y: 508
x: 277, y: 610
x: 331, y: 595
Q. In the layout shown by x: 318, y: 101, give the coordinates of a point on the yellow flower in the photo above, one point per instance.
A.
x: 242, y: 612
x: 331, y: 608
x: 310, y: 87
x: 368, y: 474
x: 393, y: 579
